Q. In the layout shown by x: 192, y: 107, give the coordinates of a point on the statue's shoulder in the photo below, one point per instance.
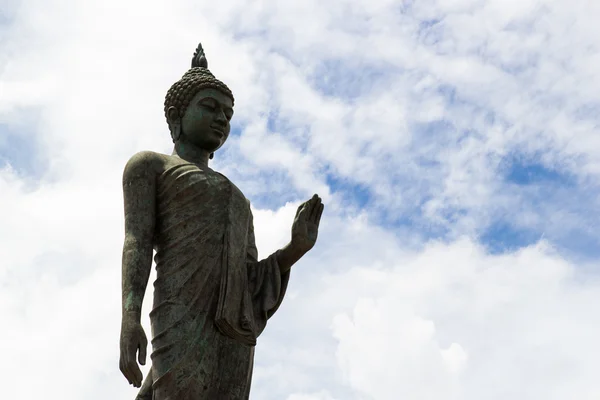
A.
x: 145, y: 163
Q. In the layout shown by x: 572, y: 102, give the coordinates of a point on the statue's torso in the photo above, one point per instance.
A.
x: 193, y: 213
x: 189, y: 202
x: 205, y: 291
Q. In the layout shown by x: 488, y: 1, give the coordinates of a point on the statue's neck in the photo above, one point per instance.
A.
x: 191, y: 153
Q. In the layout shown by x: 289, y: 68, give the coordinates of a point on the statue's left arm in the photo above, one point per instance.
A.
x: 268, y: 278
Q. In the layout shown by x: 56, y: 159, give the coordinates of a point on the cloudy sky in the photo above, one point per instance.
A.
x: 456, y: 144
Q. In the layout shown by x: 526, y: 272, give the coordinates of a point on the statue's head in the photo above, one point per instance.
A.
x: 199, y: 107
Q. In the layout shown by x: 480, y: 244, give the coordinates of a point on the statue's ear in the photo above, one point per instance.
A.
x: 173, y: 115
x: 174, y: 121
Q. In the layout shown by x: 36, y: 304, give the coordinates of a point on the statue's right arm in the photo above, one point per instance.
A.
x: 139, y: 192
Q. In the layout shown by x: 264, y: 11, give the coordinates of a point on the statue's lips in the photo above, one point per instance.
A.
x: 218, y: 131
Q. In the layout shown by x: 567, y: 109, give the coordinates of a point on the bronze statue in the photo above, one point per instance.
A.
x: 212, y: 297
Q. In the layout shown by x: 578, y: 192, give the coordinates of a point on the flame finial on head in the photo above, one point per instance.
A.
x: 199, y: 59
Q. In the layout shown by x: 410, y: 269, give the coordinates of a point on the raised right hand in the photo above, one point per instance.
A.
x: 133, y: 339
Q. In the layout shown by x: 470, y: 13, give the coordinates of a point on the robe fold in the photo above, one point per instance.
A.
x: 212, y: 297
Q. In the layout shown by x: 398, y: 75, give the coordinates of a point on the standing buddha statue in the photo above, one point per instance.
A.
x: 212, y: 296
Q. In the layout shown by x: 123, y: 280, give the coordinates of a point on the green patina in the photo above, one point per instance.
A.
x: 130, y: 301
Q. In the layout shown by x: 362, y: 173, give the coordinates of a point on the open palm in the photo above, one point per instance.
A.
x: 306, y: 224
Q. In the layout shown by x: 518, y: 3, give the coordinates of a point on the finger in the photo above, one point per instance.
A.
x: 305, y: 208
x: 315, y: 210
x: 123, y: 369
x: 308, y: 203
x: 311, y: 203
x: 137, y: 378
x: 299, y: 209
x: 124, y: 363
x: 314, y: 200
x: 130, y: 365
x: 142, y: 353
x: 321, y: 208
x: 134, y: 373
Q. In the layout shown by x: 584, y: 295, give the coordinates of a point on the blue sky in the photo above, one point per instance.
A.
x: 455, y: 144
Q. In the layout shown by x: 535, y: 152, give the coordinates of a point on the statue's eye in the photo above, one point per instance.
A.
x: 209, y: 105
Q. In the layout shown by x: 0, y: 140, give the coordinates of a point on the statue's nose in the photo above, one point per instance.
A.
x: 220, y: 117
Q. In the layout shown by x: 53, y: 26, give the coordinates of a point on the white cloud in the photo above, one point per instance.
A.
x: 315, y: 396
x: 454, y: 322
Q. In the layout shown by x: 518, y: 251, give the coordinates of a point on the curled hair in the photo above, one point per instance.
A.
x: 196, y: 79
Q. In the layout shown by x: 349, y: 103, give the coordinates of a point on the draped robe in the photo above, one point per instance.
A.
x: 212, y: 298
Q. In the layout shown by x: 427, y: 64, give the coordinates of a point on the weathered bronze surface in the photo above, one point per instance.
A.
x: 212, y: 297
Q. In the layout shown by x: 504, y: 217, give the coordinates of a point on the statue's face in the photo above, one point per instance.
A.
x: 206, y: 119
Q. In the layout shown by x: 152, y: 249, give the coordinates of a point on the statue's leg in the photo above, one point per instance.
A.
x: 145, y: 392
